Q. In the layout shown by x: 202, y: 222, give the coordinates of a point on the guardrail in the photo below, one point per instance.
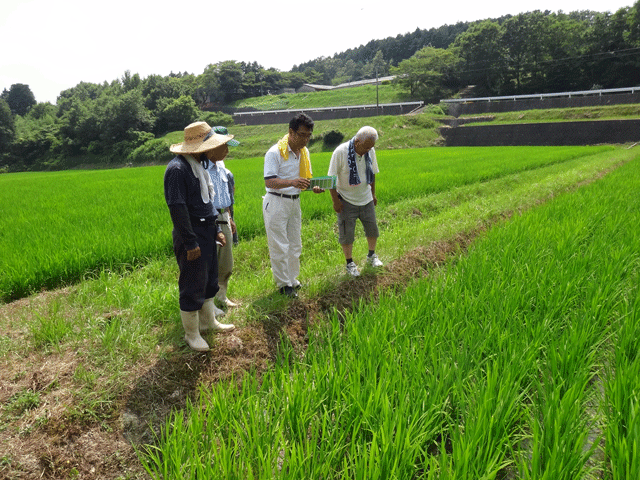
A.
x: 330, y: 109
x: 540, y: 96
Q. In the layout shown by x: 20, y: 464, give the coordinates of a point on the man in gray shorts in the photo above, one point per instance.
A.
x: 355, y: 166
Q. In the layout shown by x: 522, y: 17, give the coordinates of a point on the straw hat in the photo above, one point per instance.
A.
x: 199, y: 137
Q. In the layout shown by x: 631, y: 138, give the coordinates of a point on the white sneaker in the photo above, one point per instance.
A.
x: 374, y: 261
x: 352, y: 269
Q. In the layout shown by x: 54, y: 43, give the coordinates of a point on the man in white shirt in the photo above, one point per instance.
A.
x: 355, y: 165
x: 287, y: 171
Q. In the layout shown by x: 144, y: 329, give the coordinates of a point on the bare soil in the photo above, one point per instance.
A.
x: 46, y: 442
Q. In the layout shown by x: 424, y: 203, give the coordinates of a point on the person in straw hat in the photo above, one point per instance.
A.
x: 189, y: 192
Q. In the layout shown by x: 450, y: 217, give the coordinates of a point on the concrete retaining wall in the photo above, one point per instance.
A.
x: 544, y: 134
x: 283, y: 116
x: 483, y: 107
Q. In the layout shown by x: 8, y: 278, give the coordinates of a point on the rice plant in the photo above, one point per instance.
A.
x: 517, y: 361
x: 58, y: 226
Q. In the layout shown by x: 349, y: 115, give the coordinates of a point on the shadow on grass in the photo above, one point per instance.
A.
x: 281, y: 332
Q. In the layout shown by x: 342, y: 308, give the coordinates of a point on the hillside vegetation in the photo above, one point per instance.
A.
x: 119, y: 121
x: 362, y: 95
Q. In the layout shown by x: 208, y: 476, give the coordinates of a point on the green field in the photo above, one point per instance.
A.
x: 519, y: 361
x: 69, y: 223
x: 499, y: 341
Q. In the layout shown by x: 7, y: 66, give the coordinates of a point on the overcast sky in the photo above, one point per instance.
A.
x: 52, y: 45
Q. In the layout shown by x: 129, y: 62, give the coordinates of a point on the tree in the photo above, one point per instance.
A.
x: 7, y: 126
x: 428, y: 73
x: 156, y: 87
x: 129, y: 82
x: 43, y: 110
x: 79, y: 125
x: 175, y: 114
x: 523, y: 40
x: 32, y: 147
x: 296, y: 79
x: 122, y: 114
x: 272, y: 80
x: 564, y: 41
x: 208, y: 90
x: 19, y: 97
x: 633, y: 25
x: 230, y: 76
x: 483, y: 55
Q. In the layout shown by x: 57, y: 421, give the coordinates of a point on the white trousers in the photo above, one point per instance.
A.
x: 283, y: 223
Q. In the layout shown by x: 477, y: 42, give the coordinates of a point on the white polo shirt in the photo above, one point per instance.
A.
x: 276, y: 166
x: 354, y: 194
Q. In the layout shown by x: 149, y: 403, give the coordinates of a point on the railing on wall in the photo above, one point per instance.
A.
x: 541, y: 96
x: 330, y: 109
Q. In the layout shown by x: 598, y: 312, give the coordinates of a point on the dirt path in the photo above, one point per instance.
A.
x: 46, y: 443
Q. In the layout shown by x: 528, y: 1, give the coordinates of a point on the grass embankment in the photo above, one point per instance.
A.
x: 396, y: 132
x: 609, y: 112
x: 87, y: 364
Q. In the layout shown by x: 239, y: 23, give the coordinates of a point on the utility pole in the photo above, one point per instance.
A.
x: 377, y: 96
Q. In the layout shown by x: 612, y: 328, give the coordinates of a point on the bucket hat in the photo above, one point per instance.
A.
x: 199, y: 137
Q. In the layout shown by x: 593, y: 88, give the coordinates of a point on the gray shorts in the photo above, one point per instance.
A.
x: 347, y: 221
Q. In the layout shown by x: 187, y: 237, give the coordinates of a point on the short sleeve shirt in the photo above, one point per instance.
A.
x: 275, y: 166
x: 354, y: 194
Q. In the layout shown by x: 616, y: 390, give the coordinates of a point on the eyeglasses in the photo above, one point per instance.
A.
x: 304, y: 135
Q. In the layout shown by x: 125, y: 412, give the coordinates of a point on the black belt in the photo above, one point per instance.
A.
x: 203, y: 221
x: 292, y: 197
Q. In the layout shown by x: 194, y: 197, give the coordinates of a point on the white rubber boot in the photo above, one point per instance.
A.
x: 218, y: 311
x: 208, y: 319
x: 221, y: 296
x: 191, y: 334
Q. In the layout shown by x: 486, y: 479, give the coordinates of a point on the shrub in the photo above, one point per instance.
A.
x: 121, y: 151
x: 422, y: 120
x: 155, y: 150
x: 333, y: 138
x: 217, y: 118
x: 175, y: 113
x: 432, y: 109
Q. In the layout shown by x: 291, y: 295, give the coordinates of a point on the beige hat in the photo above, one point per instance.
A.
x: 199, y: 137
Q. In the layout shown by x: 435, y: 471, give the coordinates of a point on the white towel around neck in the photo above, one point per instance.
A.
x: 206, y: 186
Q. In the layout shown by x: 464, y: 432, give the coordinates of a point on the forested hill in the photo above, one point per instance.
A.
x: 120, y: 121
x: 392, y: 49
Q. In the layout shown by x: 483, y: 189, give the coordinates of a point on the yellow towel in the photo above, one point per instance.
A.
x: 305, y: 161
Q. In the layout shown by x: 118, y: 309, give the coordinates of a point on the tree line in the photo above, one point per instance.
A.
x: 120, y: 121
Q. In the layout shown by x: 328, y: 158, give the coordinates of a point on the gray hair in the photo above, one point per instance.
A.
x: 367, y: 133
